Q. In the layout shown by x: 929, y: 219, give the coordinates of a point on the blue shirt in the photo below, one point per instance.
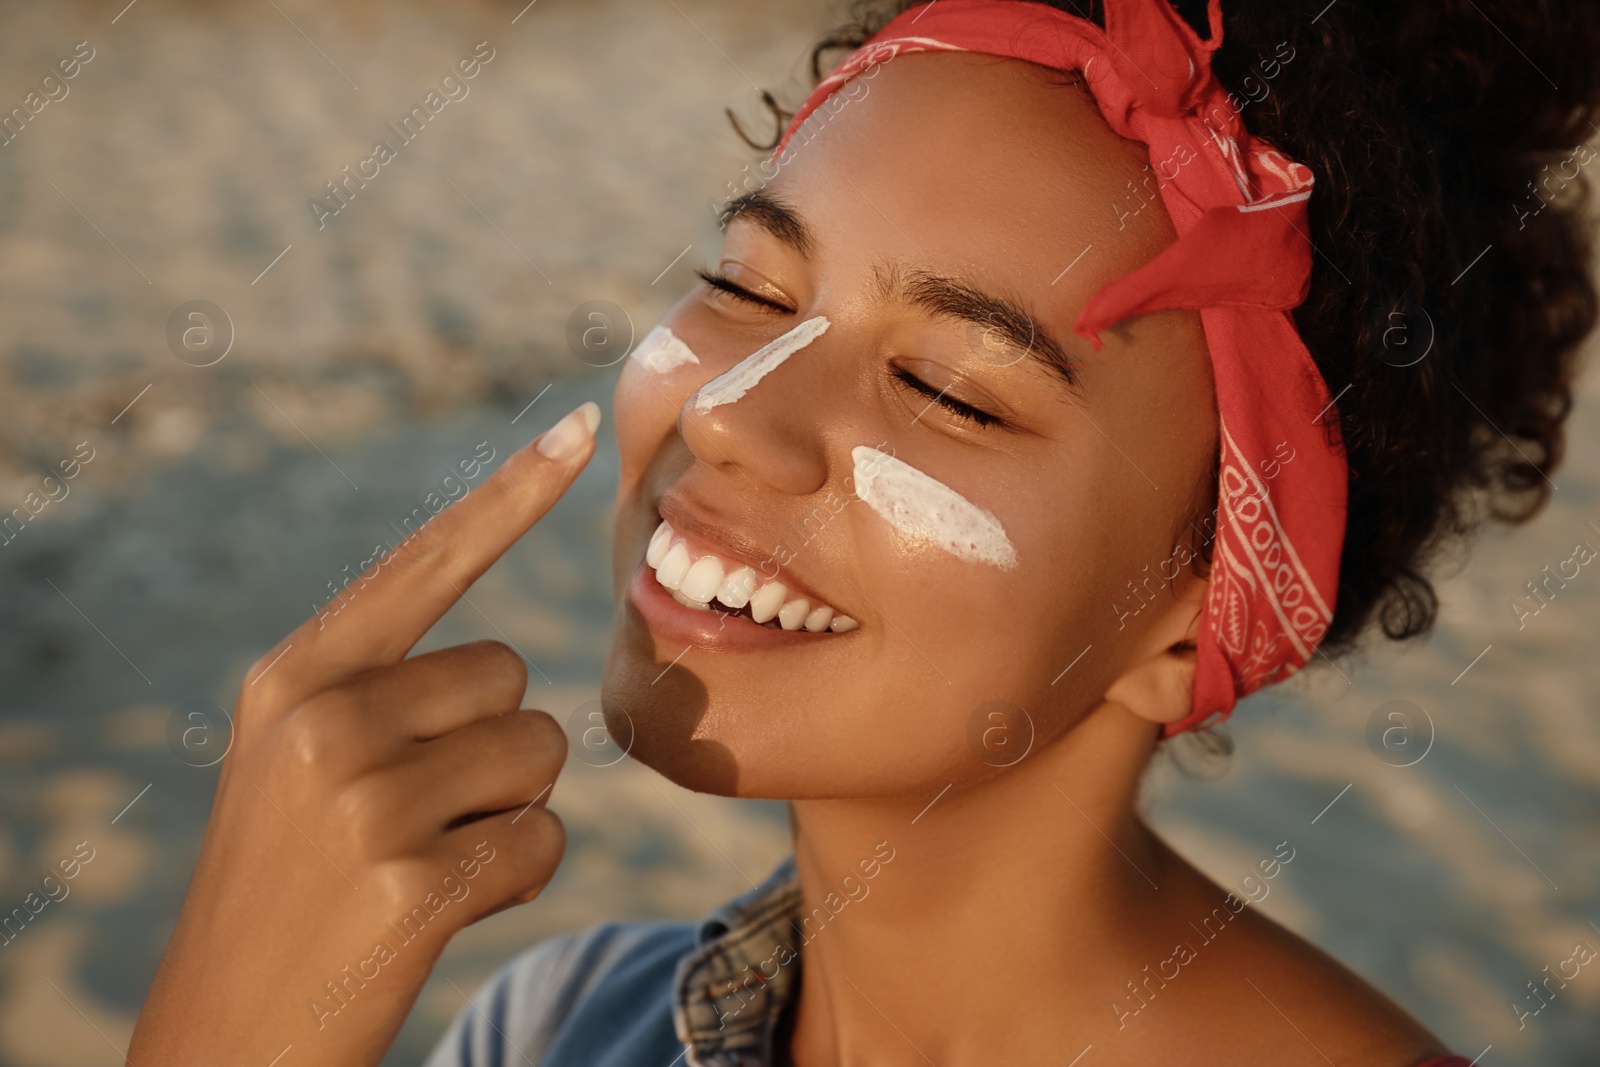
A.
x: 705, y: 994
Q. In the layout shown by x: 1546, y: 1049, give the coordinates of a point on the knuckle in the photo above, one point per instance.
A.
x: 366, y: 808
x: 556, y: 829
x: 554, y: 737
x: 305, y: 740
x: 315, y: 735
x: 401, y: 884
x: 503, y: 660
x: 546, y: 842
x: 539, y: 736
x: 264, y: 688
x: 256, y: 667
x: 525, y: 852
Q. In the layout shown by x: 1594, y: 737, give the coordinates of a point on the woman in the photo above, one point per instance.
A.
x: 989, y: 455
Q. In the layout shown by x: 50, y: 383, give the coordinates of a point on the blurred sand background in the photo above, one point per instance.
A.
x: 373, y: 355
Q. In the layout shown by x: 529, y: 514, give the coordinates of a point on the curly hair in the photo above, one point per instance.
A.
x: 1450, y: 217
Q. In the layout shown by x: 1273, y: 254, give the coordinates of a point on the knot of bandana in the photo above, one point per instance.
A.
x: 1242, y: 259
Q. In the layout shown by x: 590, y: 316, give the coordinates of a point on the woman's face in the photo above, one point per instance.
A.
x: 923, y: 466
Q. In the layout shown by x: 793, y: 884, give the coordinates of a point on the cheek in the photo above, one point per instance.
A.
x: 998, y: 615
x: 926, y: 510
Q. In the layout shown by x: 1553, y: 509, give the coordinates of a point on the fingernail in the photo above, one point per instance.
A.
x: 566, y: 438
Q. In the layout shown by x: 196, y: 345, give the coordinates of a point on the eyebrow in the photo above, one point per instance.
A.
x: 946, y: 297
x: 936, y: 294
x: 774, y: 216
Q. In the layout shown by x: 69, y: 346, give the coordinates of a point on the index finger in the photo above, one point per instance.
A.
x: 416, y: 582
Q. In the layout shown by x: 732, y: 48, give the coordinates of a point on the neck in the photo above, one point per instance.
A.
x: 929, y: 927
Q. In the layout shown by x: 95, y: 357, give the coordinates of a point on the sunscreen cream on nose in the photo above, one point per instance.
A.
x: 662, y: 350
x: 738, y: 379
x: 924, y: 507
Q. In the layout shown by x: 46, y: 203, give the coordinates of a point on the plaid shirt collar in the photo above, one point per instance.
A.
x: 729, y: 992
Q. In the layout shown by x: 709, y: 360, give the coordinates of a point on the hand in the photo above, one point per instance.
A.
x: 371, y: 806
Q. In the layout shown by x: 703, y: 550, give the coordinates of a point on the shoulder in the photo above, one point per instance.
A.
x: 1312, y: 1002
x: 569, y: 989
x: 1272, y: 996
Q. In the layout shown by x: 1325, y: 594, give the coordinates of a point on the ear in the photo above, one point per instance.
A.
x: 1159, y: 686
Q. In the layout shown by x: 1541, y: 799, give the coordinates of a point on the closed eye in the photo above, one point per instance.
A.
x: 959, y: 408
x: 722, y: 284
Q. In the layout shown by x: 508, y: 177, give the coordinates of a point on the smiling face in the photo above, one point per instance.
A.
x: 913, y: 439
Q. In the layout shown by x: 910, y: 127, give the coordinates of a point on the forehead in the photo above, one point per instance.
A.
x: 981, y: 166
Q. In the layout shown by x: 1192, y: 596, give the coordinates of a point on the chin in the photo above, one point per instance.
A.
x: 656, y: 716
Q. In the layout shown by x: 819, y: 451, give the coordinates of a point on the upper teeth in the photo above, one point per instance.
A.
x: 695, y: 581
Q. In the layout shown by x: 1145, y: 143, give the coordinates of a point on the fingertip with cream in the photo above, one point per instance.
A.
x: 567, y: 438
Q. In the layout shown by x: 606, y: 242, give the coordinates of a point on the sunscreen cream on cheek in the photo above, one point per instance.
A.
x: 925, y: 508
x: 738, y: 379
x: 661, y: 351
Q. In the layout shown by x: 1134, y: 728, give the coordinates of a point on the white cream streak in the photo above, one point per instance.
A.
x: 924, y: 507
x: 736, y: 381
x: 661, y: 350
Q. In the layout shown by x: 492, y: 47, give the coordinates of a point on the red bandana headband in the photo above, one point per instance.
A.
x: 1243, y: 260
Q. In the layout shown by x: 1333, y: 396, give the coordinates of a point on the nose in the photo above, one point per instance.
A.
x: 775, y: 433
